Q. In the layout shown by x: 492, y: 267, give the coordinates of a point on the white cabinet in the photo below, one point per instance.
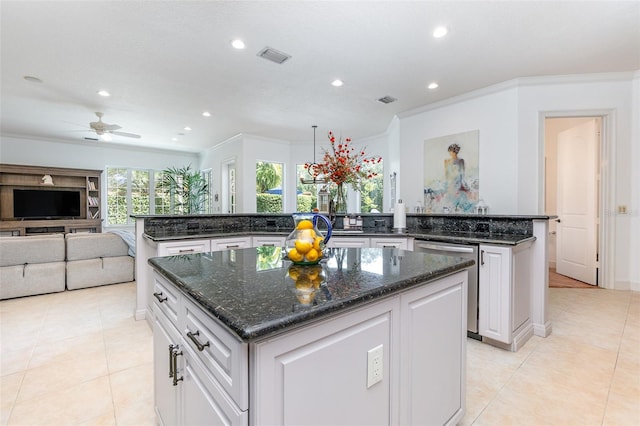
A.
x: 267, y: 241
x: 219, y: 244
x: 348, y: 242
x: 404, y: 243
x: 423, y: 337
x: 200, y: 370
x: 504, y: 294
x: 433, y: 356
x: 392, y: 242
x: 172, y: 248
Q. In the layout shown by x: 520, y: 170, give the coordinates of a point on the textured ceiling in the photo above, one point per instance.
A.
x: 166, y: 62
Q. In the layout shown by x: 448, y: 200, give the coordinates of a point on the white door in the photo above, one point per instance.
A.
x: 577, y: 202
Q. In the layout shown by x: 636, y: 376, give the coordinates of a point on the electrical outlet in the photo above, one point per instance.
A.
x: 375, y: 365
x: 622, y: 209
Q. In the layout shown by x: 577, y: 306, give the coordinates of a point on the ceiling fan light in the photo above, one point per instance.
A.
x: 106, y: 137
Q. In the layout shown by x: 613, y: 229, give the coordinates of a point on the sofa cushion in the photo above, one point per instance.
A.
x: 31, y: 279
x: 95, y: 272
x: 92, y: 246
x: 31, y: 249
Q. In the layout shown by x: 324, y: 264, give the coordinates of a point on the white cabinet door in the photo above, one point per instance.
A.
x: 325, y: 364
x: 266, y: 241
x: 174, y: 248
x: 504, y: 281
x: 433, y: 352
x: 494, y: 281
x: 349, y: 242
x: 165, y: 337
x: 204, y: 403
x: 389, y: 242
x: 220, y: 244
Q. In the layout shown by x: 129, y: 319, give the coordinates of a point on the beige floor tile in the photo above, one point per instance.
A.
x: 622, y: 410
x: 9, y: 387
x: 132, y: 384
x: 58, y: 376
x: 13, y: 361
x: 81, y: 403
x: 107, y: 419
x: 82, y: 346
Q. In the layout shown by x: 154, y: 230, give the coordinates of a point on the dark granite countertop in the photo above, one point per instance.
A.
x: 251, y: 291
x: 442, y: 236
x: 474, y: 238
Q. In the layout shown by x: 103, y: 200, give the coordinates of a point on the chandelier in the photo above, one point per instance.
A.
x: 313, y: 180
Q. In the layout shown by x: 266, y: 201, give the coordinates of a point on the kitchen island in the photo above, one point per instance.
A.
x: 369, y: 336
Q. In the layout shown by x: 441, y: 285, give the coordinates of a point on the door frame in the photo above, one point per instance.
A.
x: 606, y: 187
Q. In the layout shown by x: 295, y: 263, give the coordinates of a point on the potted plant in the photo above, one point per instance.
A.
x: 188, y: 189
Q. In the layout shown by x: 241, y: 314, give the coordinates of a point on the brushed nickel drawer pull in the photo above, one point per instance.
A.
x: 199, y: 345
x: 175, y: 354
x: 234, y: 246
x: 159, y: 297
x: 186, y: 251
x: 171, y: 348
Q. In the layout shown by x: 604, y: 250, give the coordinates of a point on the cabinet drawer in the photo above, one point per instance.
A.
x: 205, y: 401
x: 263, y: 241
x: 183, y: 247
x: 400, y: 243
x: 348, y: 242
x: 166, y: 299
x: 225, y: 357
x: 230, y: 243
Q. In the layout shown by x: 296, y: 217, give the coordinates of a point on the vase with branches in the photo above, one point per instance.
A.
x: 343, y: 164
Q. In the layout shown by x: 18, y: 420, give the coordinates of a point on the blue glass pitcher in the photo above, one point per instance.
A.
x: 305, y: 244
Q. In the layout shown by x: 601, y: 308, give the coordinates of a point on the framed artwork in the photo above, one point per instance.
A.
x: 451, y: 183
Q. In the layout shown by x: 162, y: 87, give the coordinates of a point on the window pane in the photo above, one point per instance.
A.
x: 162, y: 197
x: 117, y: 196
x: 306, y: 194
x: 269, y: 187
x: 139, y: 192
x: 207, y: 204
x: 371, y: 195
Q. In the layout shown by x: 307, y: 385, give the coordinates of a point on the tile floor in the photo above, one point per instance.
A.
x: 78, y: 357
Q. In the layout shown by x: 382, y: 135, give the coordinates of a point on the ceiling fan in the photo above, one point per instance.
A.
x: 105, y: 130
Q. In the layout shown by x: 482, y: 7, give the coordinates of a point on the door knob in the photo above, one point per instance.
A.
x: 558, y: 220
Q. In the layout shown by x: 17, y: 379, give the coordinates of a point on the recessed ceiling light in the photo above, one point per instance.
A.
x: 32, y: 79
x: 238, y: 44
x: 440, y: 32
x: 104, y: 93
x: 337, y: 83
x: 187, y: 128
x: 206, y: 114
x: 432, y: 86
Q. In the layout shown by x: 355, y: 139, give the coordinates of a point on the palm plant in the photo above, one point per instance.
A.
x: 188, y: 188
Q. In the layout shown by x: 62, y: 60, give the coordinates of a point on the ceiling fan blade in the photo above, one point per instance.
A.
x: 125, y: 134
x: 111, y: 127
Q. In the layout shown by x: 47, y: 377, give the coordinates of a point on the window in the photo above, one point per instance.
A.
x: 372, y: 192
x: 269, y: 179
x: 137, y: 191
x: 306, y: 194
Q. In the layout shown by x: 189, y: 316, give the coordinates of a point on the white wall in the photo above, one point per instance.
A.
x: 89, y: 155
x: 495, y: 116
x: 509, y: 118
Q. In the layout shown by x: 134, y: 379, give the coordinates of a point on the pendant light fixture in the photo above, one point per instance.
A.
x: 313, y: 180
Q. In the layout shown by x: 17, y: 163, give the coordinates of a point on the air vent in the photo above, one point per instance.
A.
x: 387, y: 99
x: 91, y: 139
x: 274, y: 55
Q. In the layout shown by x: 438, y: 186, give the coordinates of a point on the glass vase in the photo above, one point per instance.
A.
x: 341, y: 199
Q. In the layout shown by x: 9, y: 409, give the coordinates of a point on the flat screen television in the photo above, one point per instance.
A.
x: 46, y: 203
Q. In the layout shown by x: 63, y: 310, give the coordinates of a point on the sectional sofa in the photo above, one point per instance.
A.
x: 52, y: 263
